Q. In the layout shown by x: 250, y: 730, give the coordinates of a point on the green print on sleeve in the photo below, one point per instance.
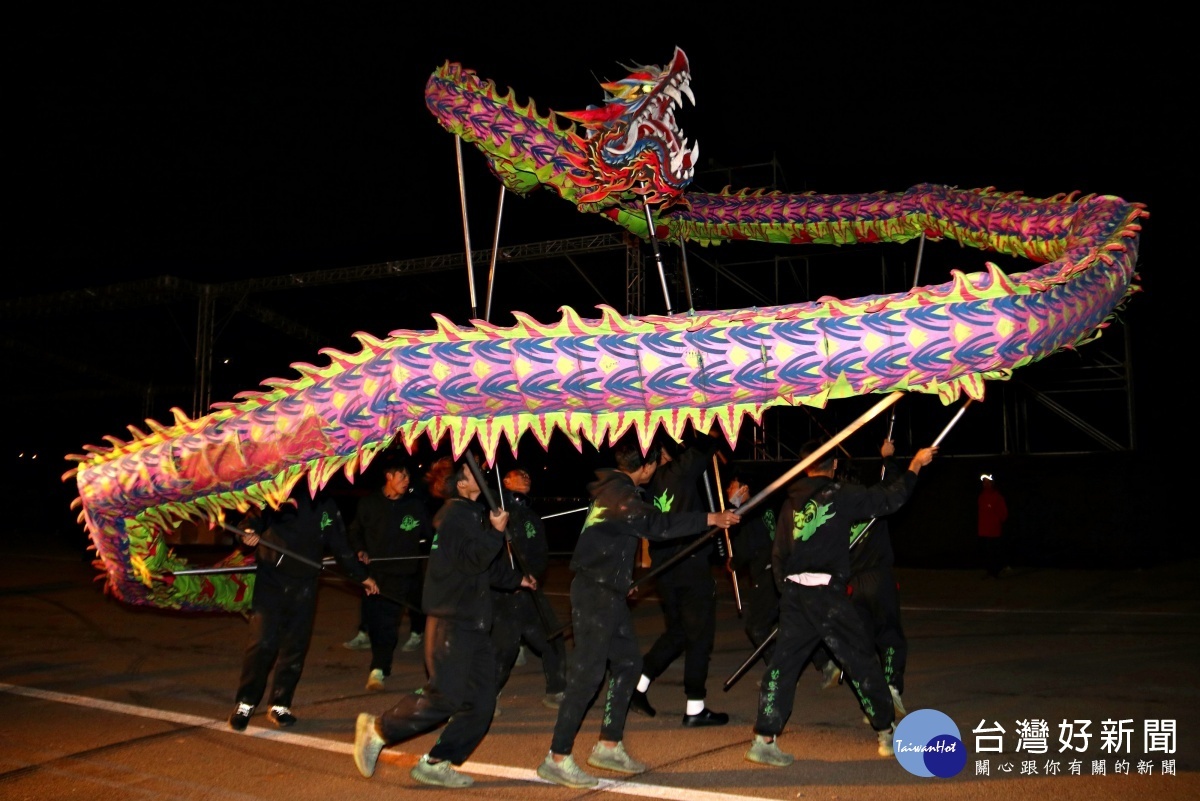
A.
x: 595, y: 515
x: 806, y: 522
x: 663, y: 502
x: 326, y: 520
x: 768, y: 519
x: 530, y: 530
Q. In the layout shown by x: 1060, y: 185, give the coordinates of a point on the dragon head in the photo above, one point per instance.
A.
x: 632, y: 144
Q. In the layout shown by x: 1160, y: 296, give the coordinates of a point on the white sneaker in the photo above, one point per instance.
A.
x: 767, y: 752
x: 413, y: 643
x: 615, y: 758
x: 440, y: 774
x: 359, y: 642
x: 897, y: 704
x: 832, y: 674
x: 375, y: 680
x: 367, y: 744
x: 885, y: 742
x: 566, y: 773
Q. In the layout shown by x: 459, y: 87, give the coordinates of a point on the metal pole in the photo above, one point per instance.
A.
x: 951, y: 424
x: 568, y: 512
x: 487, y: 309
x: 741, y: 671
x: 462, y: 196
x: 662, y: 273
x: 687, y: 280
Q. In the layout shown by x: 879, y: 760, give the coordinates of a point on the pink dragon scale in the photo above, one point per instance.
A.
x: 594, y: 379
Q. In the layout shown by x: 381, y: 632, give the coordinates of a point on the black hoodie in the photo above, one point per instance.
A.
x: 618, y: 516
x: 812, y: 534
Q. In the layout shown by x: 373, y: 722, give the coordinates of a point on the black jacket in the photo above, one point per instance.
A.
x: 619, y: 515
x: 675, y: 487
x: 387, y: 528
x: 813, y: 531
x: 463, y: 566
x: 306, y: 529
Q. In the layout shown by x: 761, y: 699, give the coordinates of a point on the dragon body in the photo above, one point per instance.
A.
x: 594, y: 379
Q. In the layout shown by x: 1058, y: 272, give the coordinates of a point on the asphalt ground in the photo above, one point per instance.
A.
x: 101, y: 700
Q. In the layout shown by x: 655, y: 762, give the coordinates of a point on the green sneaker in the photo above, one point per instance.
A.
x: 766, y: 752
x: 440, y: 774
x: 566, y: 773
x: 614, y: 758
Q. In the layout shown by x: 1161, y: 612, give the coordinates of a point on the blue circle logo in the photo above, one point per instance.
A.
x: 928, y: 743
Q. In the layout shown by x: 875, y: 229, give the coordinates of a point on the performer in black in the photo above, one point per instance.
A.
x: 811, y: 561
x: 619, y: 515
x: 391, y: 532
x: 458, y: 603
x: 876, y: 595
x: 517, y: 618
x: 686, y: 590
x: 752, y: 542
x: 285, y: 598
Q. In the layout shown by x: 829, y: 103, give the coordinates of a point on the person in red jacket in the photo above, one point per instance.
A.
x: 993, y: 511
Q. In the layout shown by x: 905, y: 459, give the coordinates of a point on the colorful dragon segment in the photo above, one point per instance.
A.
x: 594, y: 379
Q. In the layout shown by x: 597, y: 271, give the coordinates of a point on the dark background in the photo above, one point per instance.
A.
x: 217, y: 146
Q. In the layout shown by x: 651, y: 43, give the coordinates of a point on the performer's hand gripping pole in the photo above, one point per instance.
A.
x: 737, y: 594
x: 545, y: 614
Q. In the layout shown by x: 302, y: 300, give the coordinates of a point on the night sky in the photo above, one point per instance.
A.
x: 218, y: 146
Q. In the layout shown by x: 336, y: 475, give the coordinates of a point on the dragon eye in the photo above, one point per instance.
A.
x: 647, y: 88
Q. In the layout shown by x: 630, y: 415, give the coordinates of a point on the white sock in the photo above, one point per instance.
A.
x: 695, y: 707
x: 643, y: 684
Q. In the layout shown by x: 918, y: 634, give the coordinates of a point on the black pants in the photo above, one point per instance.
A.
x: 515, y: 620
x: 689, y: 604
x: 383, y: 616
x: 761, y: 608
x: 281, y: 623
x: 876, y: 596
x: 461, y: 689
x: 810, y: 616
x: 604, y: 636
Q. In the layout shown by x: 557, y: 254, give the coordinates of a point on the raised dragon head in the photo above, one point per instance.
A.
x: 632, y: 143
x: 623, y: 153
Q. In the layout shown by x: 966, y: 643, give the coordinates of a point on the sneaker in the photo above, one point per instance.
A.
x: 641, y: 704
x: 897, y: 704
x: 553, y: 700
x: 281, y: 716
x: 412, y: 644
x: 440, y: 774
x: 614, y: 758
x: 766, y: 752
x: 885, y: 742
x: 360, y: 642
x: 832, y: 674
x: 367, y: 744
x: 521, y: 657
x: 375, y: 680
x: 241, y: 717
x: 566, y: 773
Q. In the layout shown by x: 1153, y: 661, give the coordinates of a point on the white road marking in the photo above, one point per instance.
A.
x: 482, y: 768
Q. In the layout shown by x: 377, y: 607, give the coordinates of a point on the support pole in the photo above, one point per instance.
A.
x: 462, y: 196
x: 487, y: 309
